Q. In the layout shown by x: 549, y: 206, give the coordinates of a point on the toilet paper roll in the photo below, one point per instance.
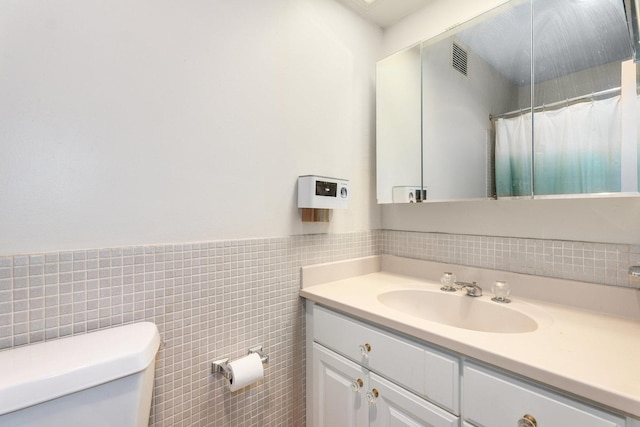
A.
x: 244, y: 371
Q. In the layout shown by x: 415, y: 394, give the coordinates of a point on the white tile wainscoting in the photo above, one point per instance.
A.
x: 218, y: 299
x: 209, y: 300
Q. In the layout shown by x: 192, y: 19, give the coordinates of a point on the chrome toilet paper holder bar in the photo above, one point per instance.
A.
x: 221, y: 366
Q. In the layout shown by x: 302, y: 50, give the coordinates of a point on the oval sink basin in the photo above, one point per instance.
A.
x: 459, y: 311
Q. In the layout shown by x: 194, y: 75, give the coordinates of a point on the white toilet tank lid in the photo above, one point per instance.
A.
x: 40, y: 372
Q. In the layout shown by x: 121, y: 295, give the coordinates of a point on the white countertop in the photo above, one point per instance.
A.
x: 589, y: 354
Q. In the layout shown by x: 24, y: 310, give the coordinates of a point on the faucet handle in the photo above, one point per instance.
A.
x: 501, y: 291
x: 634, y: 275
x: 448, y: 281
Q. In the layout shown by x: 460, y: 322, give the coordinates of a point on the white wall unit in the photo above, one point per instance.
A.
x: 411, y: 389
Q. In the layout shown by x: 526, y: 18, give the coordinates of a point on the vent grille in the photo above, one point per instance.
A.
x: 459, y: 59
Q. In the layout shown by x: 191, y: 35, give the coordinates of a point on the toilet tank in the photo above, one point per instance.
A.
x: 103, y: 378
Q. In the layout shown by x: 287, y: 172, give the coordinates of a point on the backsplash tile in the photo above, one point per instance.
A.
x: 601, y: 263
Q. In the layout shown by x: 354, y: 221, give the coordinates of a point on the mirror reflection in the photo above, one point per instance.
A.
x: 398, y: 127
x: 516, y: 104
x: 582, y: 49
x: 469, y: 76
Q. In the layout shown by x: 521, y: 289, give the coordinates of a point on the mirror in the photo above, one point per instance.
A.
x: 535, y: 98
x: 398, y: 125
x: 584, y: 99
x: 469, y: 76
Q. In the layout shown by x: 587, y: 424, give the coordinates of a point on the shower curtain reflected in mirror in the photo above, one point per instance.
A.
x: 513, y: 156
x: 576, y: 150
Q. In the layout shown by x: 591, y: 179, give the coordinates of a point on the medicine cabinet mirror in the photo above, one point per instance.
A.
x: 535, y: 98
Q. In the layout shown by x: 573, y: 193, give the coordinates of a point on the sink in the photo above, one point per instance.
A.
x: 459, y: 311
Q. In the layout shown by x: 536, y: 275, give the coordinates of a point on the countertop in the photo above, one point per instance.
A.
x: 588, y: 354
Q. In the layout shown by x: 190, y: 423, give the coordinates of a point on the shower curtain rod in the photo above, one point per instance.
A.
x: 564, y: 102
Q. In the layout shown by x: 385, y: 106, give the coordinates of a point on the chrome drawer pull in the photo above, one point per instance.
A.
x: 372, y: 396
x: 365, y: 349
x: 527, y: 421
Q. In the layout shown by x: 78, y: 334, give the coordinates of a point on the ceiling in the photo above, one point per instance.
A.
x: 571, y: 35
x: 385, y: 13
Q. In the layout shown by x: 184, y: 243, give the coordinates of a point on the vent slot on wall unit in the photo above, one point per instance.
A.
x: 459, y: 59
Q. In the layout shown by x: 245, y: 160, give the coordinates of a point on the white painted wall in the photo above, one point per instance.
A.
x: 600, y: 220
x: 433, y: 19
x: 572, y: 85
x: 137, y: 121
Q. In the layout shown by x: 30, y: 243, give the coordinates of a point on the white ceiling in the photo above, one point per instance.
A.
x: 385, y: 13
x: 571, y: 35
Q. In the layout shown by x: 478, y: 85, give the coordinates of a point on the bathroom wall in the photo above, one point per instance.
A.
x: 601, y: 263
x: 591, y: 80
x: 435, y: 18
x: 150, y: 151
x: 146, y: 122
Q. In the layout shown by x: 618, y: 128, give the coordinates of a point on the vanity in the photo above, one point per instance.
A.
x: 385, y: 346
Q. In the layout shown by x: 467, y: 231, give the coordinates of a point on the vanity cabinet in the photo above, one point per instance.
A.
x: 395, y: 406
x: 346, y: 394
x: 339, y: 386
x: 363, y: 375
x: 494, y: 399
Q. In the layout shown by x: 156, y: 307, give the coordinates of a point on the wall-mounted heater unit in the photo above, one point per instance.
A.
x: 317, y: 195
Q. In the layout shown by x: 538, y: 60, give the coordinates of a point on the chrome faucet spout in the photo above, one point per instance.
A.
x: 472, y: 289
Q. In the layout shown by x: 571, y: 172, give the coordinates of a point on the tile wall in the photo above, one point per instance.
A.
x: 210, y: 300
x: 217, y: 299
x: 601, y: 263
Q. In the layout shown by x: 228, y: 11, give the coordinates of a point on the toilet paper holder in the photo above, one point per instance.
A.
x: 221, y: 366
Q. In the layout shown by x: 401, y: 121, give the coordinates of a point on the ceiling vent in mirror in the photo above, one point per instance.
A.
x: 459, y: 59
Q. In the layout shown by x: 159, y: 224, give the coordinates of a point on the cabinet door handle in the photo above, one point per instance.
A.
x: 365, y: 349
x: 527, y: 421
x: 357, y: 385
x: 372, y: 396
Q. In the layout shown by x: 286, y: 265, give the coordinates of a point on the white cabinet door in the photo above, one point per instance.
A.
x: 492, y: 399
x: 396, y: 407
x: 430, y: 373
x: 339, y: 398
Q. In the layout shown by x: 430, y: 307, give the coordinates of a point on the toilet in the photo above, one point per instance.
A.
x: 102, y: 378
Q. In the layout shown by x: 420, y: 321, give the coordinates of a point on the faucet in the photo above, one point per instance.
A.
x: 634, y: 274
x: 473, y: 290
